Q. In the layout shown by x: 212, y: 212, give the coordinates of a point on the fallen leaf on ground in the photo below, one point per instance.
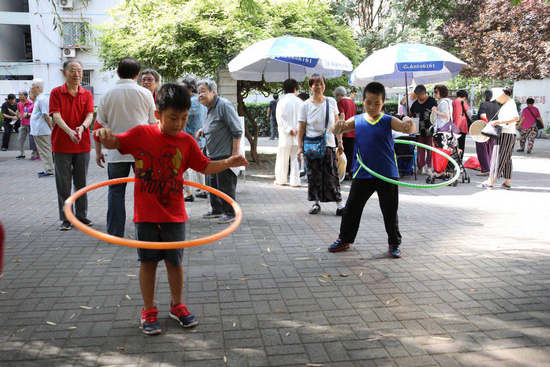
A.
x: 314, y: 365
x: 287, y: 334
x: 51, y: 323
x: 234, y: 324
x: 326, y: 276
x: 392, y: 300
x: 128, y: 297
x: 3, y: 292
x: 224, y: 359
x: 279, y: 310
x: 131, y: 275
x: 121, y: 348
x: 361, y: 274
x: 72, y: 316
x: 244, y: 278
x: 388, y: 335
x: 441, y: 338
x: 268, y: 250
x: 344, y: 275
x: 302, y: 258
x: 85, y: 307
x: 16, y: 260
x: 267, y: 266
x: 322, y: 281
x: 19, y: 331
x: 71, y: 327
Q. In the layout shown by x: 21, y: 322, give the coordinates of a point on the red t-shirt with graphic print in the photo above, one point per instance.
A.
x: 161, y: 161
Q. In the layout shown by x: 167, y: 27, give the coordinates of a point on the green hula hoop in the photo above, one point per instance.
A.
x: 417, y: 186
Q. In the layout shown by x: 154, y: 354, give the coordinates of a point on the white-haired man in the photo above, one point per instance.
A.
x: 41, y: 127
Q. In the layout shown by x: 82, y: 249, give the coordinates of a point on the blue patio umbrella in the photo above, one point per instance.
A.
x: 277, y: 59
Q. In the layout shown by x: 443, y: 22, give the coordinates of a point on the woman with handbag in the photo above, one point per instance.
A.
x: 461, y: 118
x: 317, y: 143
x: 501, y: 161
x: 528, y: 126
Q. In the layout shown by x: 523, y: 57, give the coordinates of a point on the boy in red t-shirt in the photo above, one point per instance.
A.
x: 163, y: 153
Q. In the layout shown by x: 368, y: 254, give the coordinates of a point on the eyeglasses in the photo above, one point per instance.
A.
x: 147, y: 79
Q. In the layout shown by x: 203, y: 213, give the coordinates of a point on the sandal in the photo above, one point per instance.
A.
x: 315, y: 209
x: 506, y: 186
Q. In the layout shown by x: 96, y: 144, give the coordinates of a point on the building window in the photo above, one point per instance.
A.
x: 87, y: 77
x: 75, y: 34
x: 16, y: 77
x: 28, y: 46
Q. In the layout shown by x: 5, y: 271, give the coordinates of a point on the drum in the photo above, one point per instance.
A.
x: 342, y: 163
x: 475, y: 131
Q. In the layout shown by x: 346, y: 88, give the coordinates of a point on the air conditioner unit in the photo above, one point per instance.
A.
x: 66, y: 4
x: 69, y: 52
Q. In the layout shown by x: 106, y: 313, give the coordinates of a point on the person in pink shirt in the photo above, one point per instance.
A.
x: 461, y: 117
x: 24, y: 111
x: 528, y: 126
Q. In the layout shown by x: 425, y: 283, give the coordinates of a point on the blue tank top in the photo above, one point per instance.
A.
x: 374, y: 143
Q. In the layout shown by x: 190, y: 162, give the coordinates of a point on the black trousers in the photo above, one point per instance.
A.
x: 8, y: 128
x: 348, y: 151
x: 462, y: 143
x: 361, y: 191
x: 226, y: 182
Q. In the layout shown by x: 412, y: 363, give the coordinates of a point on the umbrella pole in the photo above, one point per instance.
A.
x: 406, y: 94
x: 288, y: 70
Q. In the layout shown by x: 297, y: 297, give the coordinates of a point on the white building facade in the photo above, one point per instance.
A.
x: 30, y: 47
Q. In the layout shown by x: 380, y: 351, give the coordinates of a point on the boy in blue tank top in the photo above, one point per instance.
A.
x: 374, y: 144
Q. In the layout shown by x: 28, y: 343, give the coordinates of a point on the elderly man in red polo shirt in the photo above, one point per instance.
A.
x: 72, y: 108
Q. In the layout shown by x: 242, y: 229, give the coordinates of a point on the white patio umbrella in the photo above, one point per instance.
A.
x: 406, y: 63
x: 277, y: 59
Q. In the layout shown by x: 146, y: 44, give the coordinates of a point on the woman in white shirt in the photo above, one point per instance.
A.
x: 444, y: 109
x: 501, y: 160
x: 322, y: 173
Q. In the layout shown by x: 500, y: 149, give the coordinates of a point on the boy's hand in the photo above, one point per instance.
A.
x: 105, y: 136
x: 409, y: 125
x: 237, y: 161
x: 199, y: 133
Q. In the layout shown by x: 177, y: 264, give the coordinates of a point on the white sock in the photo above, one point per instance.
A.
x: 340, y: 204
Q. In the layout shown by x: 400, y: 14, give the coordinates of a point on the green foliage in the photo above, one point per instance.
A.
x: 201, y: 36
x: 259, y: 113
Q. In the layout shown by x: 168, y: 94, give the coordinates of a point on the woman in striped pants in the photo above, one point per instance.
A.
x: 501, y: 161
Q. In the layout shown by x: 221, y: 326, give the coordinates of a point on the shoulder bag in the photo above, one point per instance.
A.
x: 490, y: 130
x: 316, y: 147
x: 468, y: 119
x: 540, y: 125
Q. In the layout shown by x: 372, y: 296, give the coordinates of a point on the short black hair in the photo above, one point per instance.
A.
x: 275, y: 96
x: 174, y: 96
x: 443, y: 90
x: 316, y: 77
x: 488, y: 95
x: 128, y: 68
x: 11, y: 96
x: 530, y: 100
x: 290, y: 85
x: 69, y: 62
x: 191, y: 84
x: 461, y: 93
x: 420, y: 88
x: 303, y: 96
x: 507, y: 91
x: 375, y: 88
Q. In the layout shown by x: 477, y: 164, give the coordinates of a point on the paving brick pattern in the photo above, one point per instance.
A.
x: 473, y: 287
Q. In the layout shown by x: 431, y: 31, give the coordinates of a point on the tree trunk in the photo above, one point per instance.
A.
x: 252, y: 134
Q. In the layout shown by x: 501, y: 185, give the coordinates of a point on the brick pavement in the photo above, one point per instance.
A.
x: 471, y: 290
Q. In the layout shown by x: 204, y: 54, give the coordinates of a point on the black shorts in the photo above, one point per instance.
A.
x: 161, y: 232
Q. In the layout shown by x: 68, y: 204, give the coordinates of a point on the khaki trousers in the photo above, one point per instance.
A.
x: 44, y: 145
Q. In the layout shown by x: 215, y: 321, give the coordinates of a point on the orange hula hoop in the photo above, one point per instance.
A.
x: 146, y: 244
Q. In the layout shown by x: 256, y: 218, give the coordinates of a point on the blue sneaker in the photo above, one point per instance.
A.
x: 211, y: 215
x: 150, y: 322
x: 180, y: 313
x: 394, y: 252
x: 338, y: 246
x: 226, y: 219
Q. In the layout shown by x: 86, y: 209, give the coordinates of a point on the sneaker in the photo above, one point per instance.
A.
x: 338, y: 246
x: 65, y: 226
x: 226, y: 219
x: 482, y: 174
x: 20, y: 157
x: 189, y: 199
x: 34, y: 158
x: 44, y: 174
x: 520, y: 150
x: 315, y: 209
x: 86, y: 221
x: 394, y: 252
x: 487, y: 186
x: 339, y: 212
x: 180, y: 313
x: 505, y: 186
x: 424, y: 170
x: 211, y: 215
x: 150, y: 322
x: 528, y: 152
x: 4, y: 149
x: 202, y: 195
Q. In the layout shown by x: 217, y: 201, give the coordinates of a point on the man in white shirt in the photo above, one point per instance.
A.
x: 41, y: 127
x: 124, y: 107
x: 287, y: 118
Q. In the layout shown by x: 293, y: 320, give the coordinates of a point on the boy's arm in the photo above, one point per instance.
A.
x: 217, y: 166
x: 107, y: 138
x: 406, y: 126
x: 342, y: 126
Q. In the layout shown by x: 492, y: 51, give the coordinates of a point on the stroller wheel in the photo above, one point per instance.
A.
x: 428, y: 180
x: 455, y: 184
x: 462, y: 179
